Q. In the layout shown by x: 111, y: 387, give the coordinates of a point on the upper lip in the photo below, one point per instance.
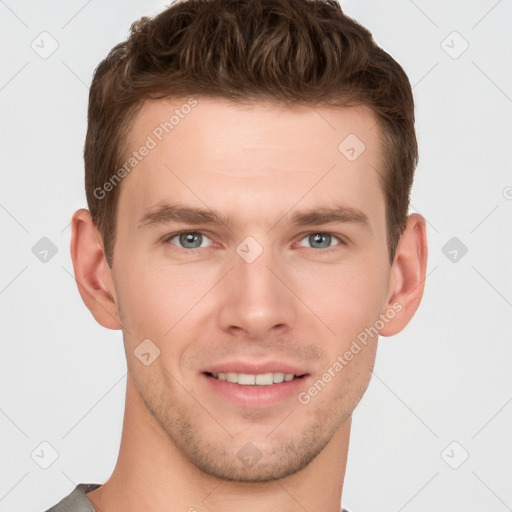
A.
x: 255, y: 368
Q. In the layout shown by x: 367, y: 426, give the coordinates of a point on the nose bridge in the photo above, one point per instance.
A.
x: 255, y: 275
x: 255, y: 299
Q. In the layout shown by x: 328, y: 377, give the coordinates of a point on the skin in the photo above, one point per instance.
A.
x: 294, y: 303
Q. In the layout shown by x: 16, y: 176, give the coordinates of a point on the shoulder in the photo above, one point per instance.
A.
x: 76, y: 501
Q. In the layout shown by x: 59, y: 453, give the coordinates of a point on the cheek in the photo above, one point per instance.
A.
x: 350, y: 307
x: 347, y: 298
x: 156, y: 299
x: 143, y: 296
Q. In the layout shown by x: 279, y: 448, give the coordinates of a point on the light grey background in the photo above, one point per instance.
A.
x: 446, y: 378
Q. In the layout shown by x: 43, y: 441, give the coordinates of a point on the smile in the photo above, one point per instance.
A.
x: 261, y: 379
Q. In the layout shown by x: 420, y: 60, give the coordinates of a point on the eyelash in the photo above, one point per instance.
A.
x: 167, y: 239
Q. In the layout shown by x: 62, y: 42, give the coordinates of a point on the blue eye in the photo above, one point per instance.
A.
x: 192, y: 240
x: 321, y: 240
x: 188, y: 239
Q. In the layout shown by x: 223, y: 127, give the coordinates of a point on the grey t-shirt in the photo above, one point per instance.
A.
x: 77, y: 500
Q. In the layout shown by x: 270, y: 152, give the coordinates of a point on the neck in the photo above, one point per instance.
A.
x: 152, y: 474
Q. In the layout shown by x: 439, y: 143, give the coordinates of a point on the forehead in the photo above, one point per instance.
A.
x: 240, y: 157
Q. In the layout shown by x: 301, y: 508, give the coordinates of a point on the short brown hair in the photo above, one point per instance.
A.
x: 288, y: 51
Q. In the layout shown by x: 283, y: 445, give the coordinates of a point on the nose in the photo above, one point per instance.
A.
x: 257, y: 298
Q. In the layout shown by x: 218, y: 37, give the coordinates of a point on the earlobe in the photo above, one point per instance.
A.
x: 408, y: 275
x: 92, y: 273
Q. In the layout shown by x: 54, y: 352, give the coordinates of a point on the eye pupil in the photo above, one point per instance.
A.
x: 190, y: 238
x: 317, y: 238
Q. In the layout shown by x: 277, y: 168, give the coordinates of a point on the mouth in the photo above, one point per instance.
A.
x: 255, y: 384
x: 260, y: 379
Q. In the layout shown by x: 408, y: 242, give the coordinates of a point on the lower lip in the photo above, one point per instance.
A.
x: 255, y: 396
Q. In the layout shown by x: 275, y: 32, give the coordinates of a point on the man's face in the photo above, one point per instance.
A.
x: 292, y: 296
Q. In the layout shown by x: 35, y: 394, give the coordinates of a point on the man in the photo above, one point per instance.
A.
x: 248, y: 170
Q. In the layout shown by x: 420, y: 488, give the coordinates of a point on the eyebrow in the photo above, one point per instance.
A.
x: 166, y: 213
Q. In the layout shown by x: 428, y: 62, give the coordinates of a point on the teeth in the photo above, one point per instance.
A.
x: 262, y: 379
x: 246, y: 380
x: 231, y: 377
x: 279, y: 377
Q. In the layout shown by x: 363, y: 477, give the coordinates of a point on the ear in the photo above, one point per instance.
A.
x: 408, y: 274
x: 92, y: 273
